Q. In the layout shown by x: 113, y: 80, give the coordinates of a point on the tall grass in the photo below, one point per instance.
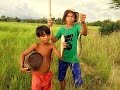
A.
x: 101, y: 53
x: 99, y: 60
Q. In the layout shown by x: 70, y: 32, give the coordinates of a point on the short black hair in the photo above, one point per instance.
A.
x: 41, y: 30
x: 35, y: 61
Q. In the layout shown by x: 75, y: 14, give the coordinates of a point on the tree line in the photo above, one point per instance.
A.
x: 41, y: 20
x: 106, y: 26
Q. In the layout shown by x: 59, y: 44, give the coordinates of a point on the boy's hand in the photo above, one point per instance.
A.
x: 82, y: 17
x: 50, y: 22
x: 64, y: 44
x: 24, y: 69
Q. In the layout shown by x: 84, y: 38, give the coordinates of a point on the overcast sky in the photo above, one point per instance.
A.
x: 94, y: 9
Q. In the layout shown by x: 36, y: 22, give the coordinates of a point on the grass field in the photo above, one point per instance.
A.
x: 100, y: 58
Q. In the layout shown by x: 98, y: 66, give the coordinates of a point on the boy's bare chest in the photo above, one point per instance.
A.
x: 44, y: 50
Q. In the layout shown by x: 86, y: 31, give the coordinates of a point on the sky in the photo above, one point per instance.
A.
x: 94, y: 9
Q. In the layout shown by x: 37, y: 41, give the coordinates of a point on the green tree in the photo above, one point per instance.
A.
x: 3, y: 18
x: 95, y: 23
x: 17, y: 19
x: 43, y: 20
x: 109, y: 26
x: 58, y: 21
x: 8, y: 19
x: 115, y: 4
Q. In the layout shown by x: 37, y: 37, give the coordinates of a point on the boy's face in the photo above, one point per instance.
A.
x: 70, y: 18
x: 45, y: 38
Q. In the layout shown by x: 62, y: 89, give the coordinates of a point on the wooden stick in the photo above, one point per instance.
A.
x: 50, y: 15
x: 62, y: 40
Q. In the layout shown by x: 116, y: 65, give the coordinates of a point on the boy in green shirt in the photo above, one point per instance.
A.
x: 70, y: 31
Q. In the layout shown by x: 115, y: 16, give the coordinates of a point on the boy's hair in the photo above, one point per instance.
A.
x: 35, y: 61
x: 42, y: 30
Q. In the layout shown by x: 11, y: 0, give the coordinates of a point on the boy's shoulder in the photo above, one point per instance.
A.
x: 52, y: 45
x: 62, y: 27
x: 77, y: 24
x: 34, y: 45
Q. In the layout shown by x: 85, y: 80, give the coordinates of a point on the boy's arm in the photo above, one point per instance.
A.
x: 53, y: 39
x: 84, y: 26
x: 50, y: 22
x: 84, y: 29
x: 22, y: 57
x: 57, y: 53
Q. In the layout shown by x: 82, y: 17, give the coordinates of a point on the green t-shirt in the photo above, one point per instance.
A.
x: 71, y: 36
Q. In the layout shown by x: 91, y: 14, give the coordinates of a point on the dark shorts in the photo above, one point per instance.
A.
x: 75, y: 67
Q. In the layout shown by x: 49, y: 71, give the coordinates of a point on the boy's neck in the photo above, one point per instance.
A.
x: 42, y: 43
x: 69, y: 25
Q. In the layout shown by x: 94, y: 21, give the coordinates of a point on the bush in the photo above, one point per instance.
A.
x: 108, y: 27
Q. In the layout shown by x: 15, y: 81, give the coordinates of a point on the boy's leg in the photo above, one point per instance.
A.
x: 76, y: 71
x: 48, y: 87
x: 62, y: 68
x: 62, y: 85
x: 48, y: 79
